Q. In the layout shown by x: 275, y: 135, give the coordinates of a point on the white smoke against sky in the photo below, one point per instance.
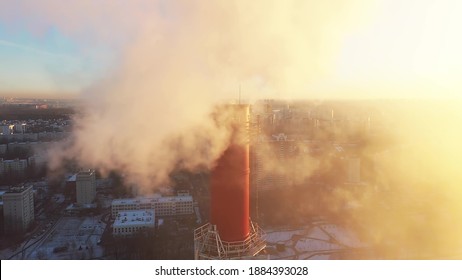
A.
x: 152, y: 113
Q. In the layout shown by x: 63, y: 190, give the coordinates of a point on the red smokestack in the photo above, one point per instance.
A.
x: 229, y: 183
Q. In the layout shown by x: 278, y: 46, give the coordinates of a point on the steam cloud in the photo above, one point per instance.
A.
x: 153, y: 113
x: 410, y: 206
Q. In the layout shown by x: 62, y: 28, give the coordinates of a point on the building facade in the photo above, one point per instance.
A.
x: 18, y: 209
x: 163, y: 206
x: 13, y: 166
x: 86, y: 187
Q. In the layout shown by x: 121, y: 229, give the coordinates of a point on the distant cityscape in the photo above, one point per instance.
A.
x: 309, y: 162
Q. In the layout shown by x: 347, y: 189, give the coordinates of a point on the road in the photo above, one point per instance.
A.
x: 33, y: 242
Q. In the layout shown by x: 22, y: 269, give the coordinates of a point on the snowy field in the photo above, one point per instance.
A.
x: 72, y: 238
x: 319, y: 241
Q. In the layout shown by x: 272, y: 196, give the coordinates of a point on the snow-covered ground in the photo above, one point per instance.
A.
x: 315, y: 241
x: 72, y: 238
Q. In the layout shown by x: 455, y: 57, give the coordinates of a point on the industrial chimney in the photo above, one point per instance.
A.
x: 230, y: 233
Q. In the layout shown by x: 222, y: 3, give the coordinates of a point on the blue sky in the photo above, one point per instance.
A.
x: 364, y: 49
x: 54, y: 46
x: 49, y: 62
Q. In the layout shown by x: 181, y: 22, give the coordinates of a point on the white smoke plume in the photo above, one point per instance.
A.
x: 153, y: 112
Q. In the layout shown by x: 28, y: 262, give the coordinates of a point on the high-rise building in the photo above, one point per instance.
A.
x: 86, y: 187
x: 18, y: 209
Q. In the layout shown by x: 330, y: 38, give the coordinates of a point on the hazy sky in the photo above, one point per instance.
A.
x: 347, y: 49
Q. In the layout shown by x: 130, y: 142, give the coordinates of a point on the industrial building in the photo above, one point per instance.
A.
x: 162, y: 205
x: 230, y: 233
x: 18, y: 209
x: 128, y: 223
x: 86, y: 187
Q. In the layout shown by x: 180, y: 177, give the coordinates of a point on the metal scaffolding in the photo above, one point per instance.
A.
x: 209, y: 246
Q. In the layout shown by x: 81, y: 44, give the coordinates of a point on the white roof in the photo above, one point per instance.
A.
x: 72, y: 178
x: 135, y: 218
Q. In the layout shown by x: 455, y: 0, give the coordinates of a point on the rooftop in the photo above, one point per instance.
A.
x: 72, y: 178
x: 134, y: 218
x: 13, y: 160
x: 18, y: 189
x: 86, y: 173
